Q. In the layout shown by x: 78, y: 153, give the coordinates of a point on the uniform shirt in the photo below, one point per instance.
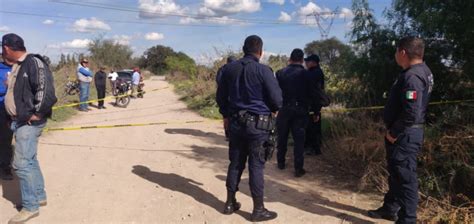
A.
x: 316, y: 76
x: 4, y: 70
x: 294, y: 83
x: 10, y: 98
x: 136, y: 78
x: 408, y: 99
x: 248, y: 85
x: 219, y: 74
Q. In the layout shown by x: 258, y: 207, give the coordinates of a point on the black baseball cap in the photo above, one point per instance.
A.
x: 14, y: 42
x: 312, y: 57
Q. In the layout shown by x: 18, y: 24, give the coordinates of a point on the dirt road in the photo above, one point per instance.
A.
x: 170, y: 173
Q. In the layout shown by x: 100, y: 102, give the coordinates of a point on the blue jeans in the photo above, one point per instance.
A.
x: 84, y: 95
x: 26, y: 166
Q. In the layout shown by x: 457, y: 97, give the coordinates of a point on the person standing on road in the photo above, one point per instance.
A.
x: 248, y: 97
x: 29, y: 101
x: 135, y: 81
x: 297, y: 97
x: 6, y: 133
x: 404, y: 118
x: 313, y: 139
x: 100, y: 80
x: 230, y: 59
x: 84, y: 75
x: 113, y: 81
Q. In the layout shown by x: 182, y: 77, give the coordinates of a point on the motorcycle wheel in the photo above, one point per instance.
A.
x: 122, y: 101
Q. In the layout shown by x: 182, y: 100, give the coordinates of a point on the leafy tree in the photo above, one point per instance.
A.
x: 447, y: 28
x: 181, y: 63
x: 109, y: 53
x: 374, y: 64
x: 154, y: 59
x: 277, y: 62
x: 335, y: 54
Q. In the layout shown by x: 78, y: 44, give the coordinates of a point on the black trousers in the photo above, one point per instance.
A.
x: 246, y: 142
x: 313, y: 139
x: 292, y: 119
x: 402, y: 196
x: 101, y: 94
x: 6, y: 136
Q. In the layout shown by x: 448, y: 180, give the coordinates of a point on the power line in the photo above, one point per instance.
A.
x: 325, y: 20
x: 138, y: 22
x: 188, y: 15
x: 212, y: 18
x: 107, y: 20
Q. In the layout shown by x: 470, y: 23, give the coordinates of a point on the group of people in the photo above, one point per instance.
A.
x: 253, y: 100
x: 85, y: 77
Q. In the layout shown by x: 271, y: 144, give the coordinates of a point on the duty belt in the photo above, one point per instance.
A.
x: 417, y: 126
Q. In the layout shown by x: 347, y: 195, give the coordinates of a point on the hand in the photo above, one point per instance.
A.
x: 33, y: 117
x: 389, y: 137
x: 226, y: 123
x: 316, y: 118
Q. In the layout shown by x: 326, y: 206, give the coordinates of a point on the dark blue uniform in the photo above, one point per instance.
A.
x: 295, y: 84
x: 404, y: 116
x: 247, y: 89
x: 313, y: 139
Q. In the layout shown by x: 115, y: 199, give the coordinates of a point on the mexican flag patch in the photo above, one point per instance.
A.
x: 411, y: 95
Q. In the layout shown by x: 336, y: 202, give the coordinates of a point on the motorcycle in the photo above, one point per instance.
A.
x: 72, y: 88
x: 122, y: 94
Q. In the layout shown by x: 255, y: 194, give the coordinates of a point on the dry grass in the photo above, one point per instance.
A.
x: 446, y: 173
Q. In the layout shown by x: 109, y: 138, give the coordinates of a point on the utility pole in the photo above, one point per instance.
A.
x: 324, y: 21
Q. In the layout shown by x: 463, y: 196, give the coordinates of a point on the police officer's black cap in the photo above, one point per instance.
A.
x: 312, y: 57
x: 231, y: 59
x: 14, y: 42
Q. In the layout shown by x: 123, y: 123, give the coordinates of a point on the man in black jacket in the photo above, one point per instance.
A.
x: 313, y: 131
x: 29, y: 101
x: 298, y: 95
x: 100, y: 80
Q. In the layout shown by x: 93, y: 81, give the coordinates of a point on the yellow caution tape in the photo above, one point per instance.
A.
x: 106, y: 98
x: 335, y: 110
x: 208, y: 121
x: 129, y: 125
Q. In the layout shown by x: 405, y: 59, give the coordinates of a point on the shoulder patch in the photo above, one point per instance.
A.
x: 410, y: 95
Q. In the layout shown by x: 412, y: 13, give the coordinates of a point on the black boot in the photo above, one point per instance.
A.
x: 231, y: 205
x: 260, y: 213
x: 381, y: 213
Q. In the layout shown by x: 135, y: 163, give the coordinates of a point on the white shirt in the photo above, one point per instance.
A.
x: 113, y: 76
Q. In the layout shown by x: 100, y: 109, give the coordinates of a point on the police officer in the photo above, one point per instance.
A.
x: 230, y: 59
x: 313, y: 132
x: 293, y: 116
x: 247, y: 96
x: 404, y: 116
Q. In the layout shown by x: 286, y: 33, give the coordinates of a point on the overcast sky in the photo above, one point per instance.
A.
x: 195, y: 27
